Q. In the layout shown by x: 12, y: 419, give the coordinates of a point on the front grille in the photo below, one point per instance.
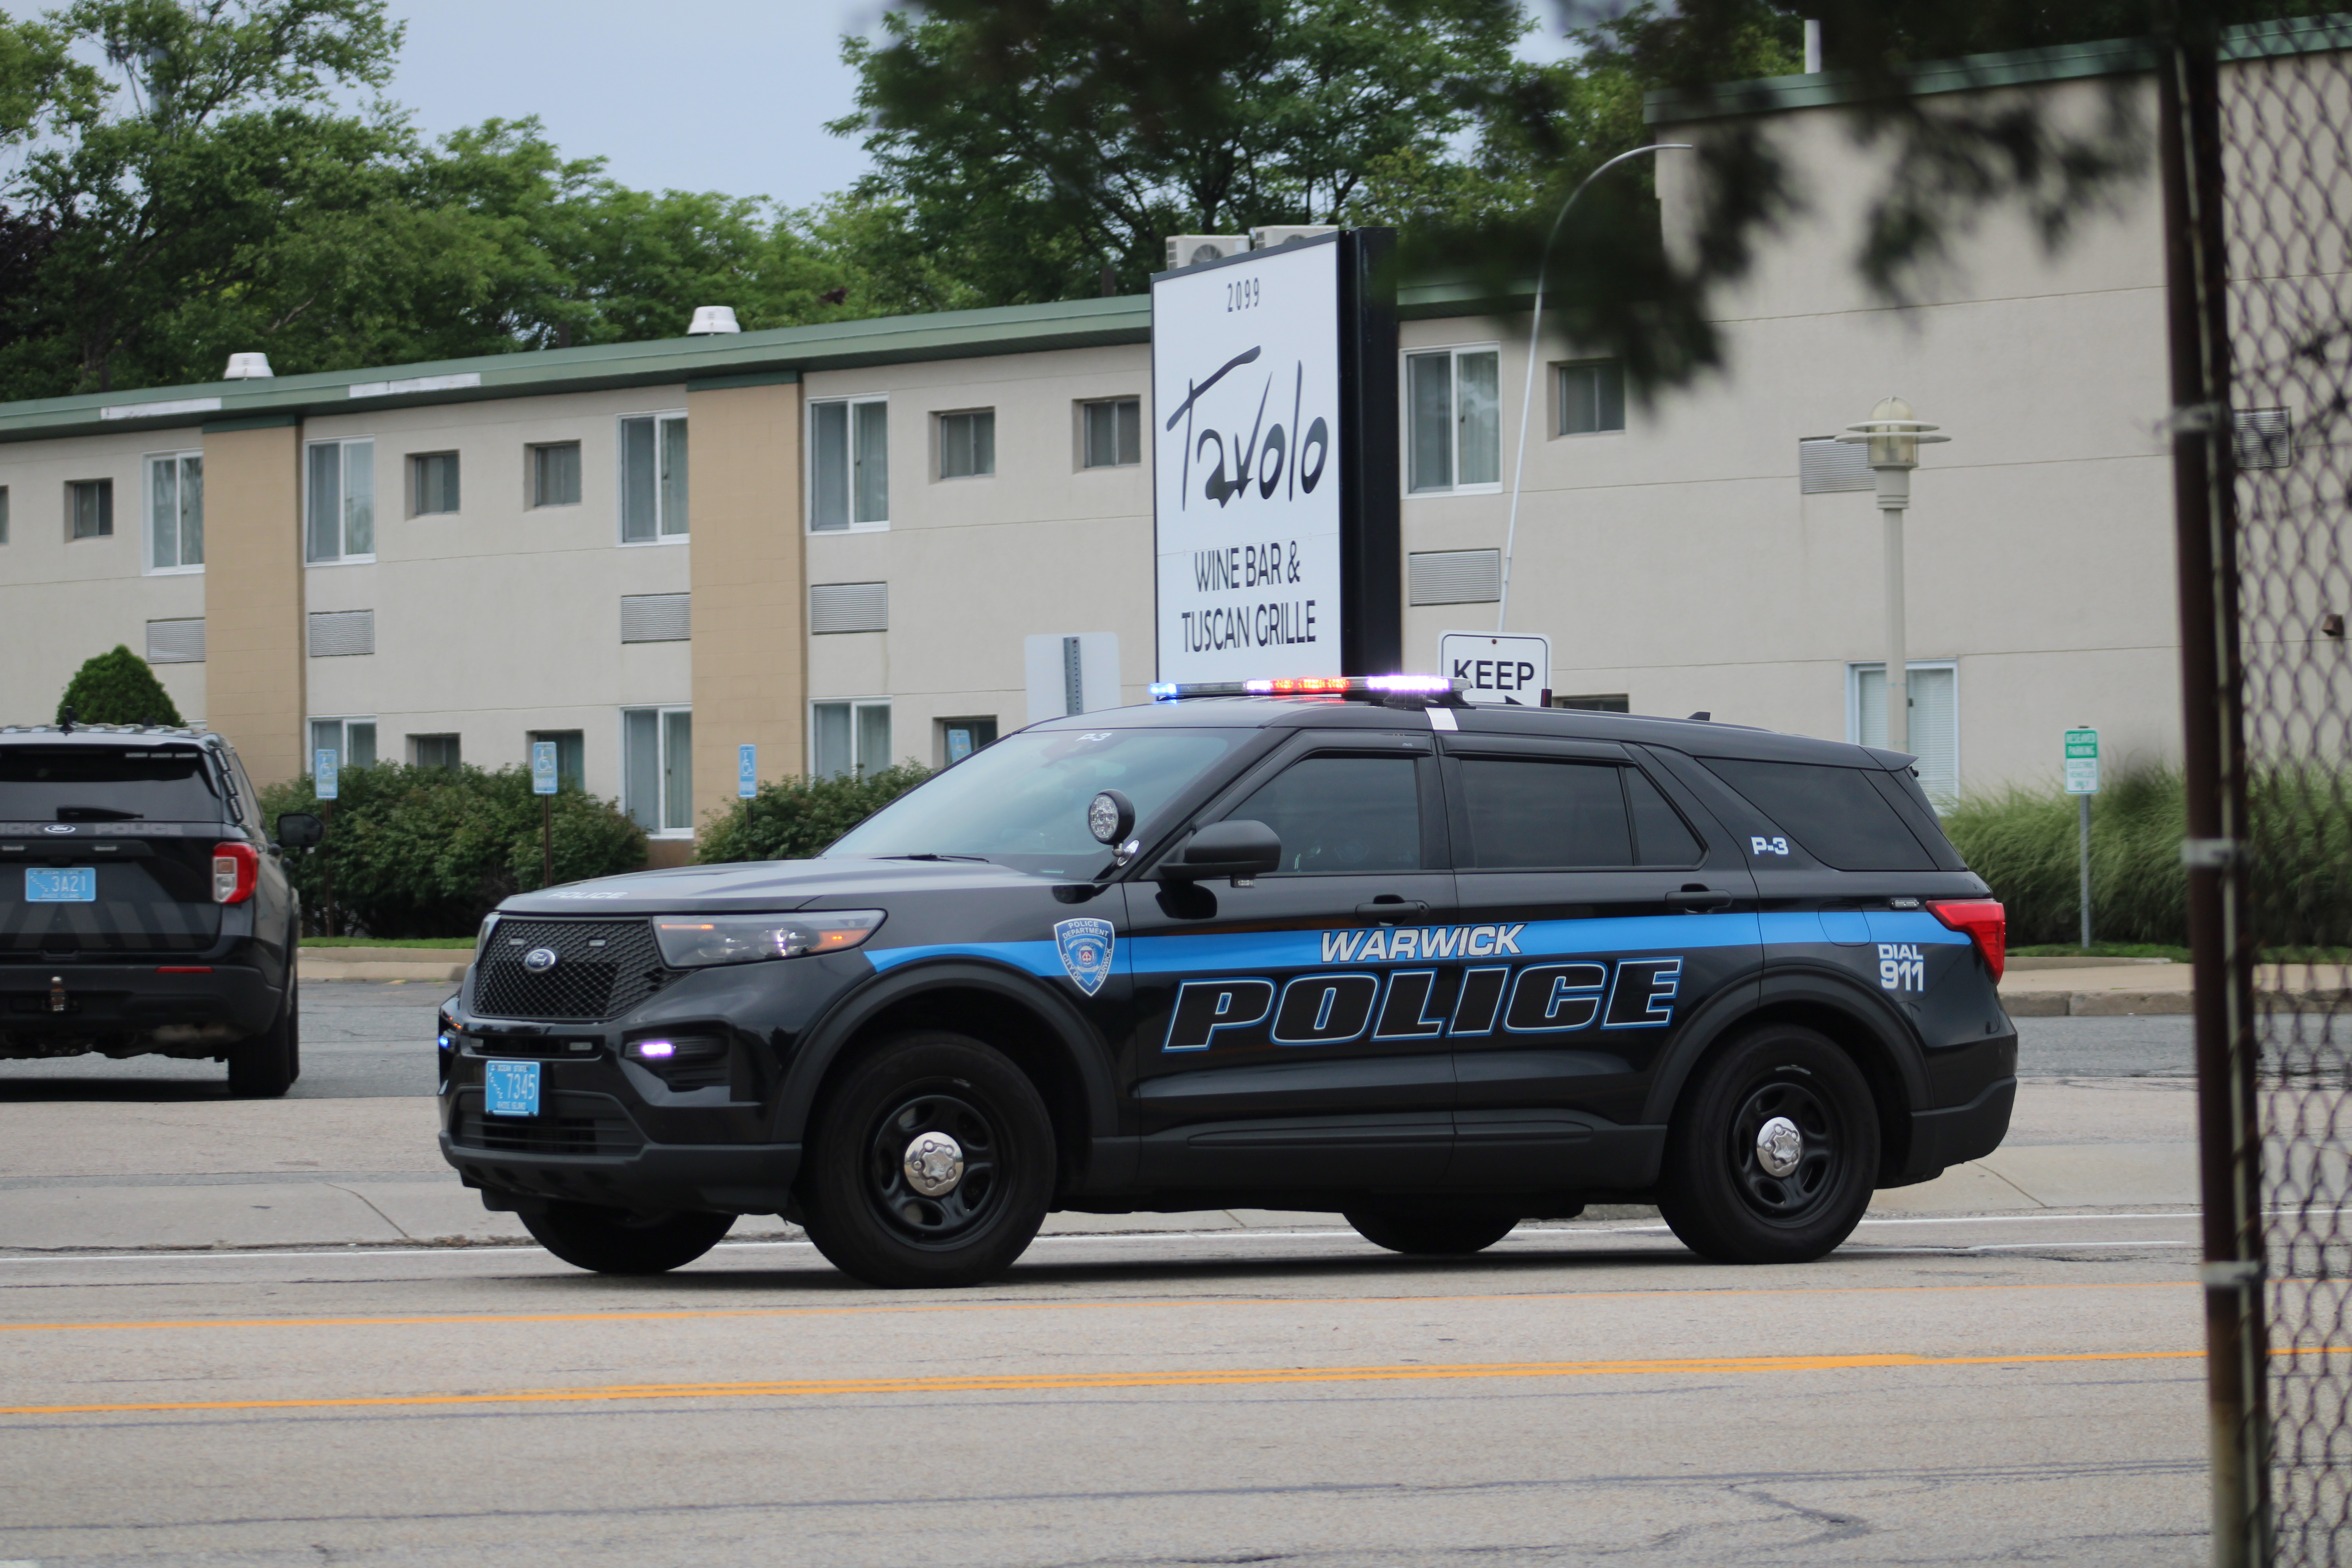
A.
x: 602, y: 969
x: 581, y: 1124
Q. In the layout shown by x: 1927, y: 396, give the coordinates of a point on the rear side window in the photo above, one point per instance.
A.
x: 1530, y: 814
x: 106, y: 784
x: 1835, y: 813
x: 1343, y: 814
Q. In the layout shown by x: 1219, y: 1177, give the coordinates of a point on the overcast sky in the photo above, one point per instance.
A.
x: 704, y: 95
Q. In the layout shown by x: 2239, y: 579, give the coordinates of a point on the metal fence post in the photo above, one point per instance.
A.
x: 2189, y: 98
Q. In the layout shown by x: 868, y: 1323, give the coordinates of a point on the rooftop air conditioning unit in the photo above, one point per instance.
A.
x: 1191, y: 249
x: 1267, y: 235
x: 710, y: 320
x: 248, y: 367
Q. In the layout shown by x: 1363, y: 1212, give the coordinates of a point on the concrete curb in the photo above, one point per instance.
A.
x: 377, y: 969
x: 2141, y: 1003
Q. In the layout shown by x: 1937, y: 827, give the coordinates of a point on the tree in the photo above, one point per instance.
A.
x: 117, y: 688
x: 1038, y: 141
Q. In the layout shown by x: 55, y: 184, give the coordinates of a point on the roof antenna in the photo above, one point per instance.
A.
x: 65, y: 720
x: 1702, y: 716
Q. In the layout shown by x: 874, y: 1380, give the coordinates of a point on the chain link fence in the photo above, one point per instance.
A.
x: 2284, y: 118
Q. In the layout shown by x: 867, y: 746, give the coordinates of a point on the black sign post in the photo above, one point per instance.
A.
x: 1371, y: 547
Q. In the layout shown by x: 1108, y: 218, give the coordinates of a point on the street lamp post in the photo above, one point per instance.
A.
x: 1894, y: 439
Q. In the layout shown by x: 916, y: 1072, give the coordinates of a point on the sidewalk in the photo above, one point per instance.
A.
x: 2113, y: 987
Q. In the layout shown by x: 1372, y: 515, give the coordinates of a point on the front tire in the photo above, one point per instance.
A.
x: 931, y: 1165
x: 614, y: 1241
x: 1431, y: 1233
x: 1774, y: 1153
x: 266, y: 1065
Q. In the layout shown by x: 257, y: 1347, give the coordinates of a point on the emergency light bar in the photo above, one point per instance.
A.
x: 1361, y: 685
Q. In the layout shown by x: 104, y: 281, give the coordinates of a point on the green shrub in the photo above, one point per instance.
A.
x: 421, y: 852
x: 793, y: 819
x: 2023, y: 842
x: 117, y: 688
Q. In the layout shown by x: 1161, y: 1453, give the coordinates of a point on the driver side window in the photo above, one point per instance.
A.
x: 1341, y: 813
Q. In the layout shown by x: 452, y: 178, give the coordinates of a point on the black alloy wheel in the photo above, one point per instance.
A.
x: 616, y: 1241
x: 1773, y: 1152
x: 931, y: 1163
x: 1431, y: 1232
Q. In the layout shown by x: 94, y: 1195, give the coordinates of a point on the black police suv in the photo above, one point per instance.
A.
x: 144, y: 907
x: 1438, y: 968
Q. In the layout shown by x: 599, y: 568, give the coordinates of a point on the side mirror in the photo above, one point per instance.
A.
x: 300, y: 830
x: 1237, y: 849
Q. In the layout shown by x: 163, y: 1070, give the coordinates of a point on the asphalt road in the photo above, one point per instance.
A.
x: 362, y: 1039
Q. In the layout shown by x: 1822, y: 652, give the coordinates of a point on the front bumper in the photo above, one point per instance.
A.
x: 133, y: 1009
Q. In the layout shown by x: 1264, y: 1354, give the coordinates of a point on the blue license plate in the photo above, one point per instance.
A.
x: 61, y: 884
x: 510, y: 1089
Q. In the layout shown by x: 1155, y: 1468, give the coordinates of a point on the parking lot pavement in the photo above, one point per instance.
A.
x: 1972, y: 1390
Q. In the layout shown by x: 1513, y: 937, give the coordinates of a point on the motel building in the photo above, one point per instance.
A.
x: 863, y: 542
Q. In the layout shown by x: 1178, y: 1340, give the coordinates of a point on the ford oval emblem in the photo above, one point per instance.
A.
x: 540, y: 960
x: 57, y: 827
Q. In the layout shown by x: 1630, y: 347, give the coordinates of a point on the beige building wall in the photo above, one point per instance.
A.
x: 63, y: 600
x: 254, y: 602
x: 751, y: 595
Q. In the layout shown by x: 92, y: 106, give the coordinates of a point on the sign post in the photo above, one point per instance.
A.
x: 2083, y: 782
x: 1274, y: 507
x: 326, y: 783
x: 1513, y: 671
x: 544, y: 780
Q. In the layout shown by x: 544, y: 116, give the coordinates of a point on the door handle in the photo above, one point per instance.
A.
x: 1388, y: 906
x: 1696, y: 897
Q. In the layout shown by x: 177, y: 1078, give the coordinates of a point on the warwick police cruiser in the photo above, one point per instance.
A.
x: 1331, y: 944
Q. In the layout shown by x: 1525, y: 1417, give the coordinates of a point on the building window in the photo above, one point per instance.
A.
x: 959, y: 738
x: 850, y: 737
x: 968, y: 444
x: 653, y: 479
x: 1597, y: 703
x: 351, y: 739
x: 658, y: 768
x: 342, y: 523
x: 4, y: 515
x: 849, y: 465
x: 433, y: 751
x: 1935, y: 721
x: 432, y: 483
x: 1454, y: 438
x: 175, y: 512
x: 89, y: 508
x: 570, y: 756
x: 1591, y: 396
x: 555, y: 474
x: 1111, y: 433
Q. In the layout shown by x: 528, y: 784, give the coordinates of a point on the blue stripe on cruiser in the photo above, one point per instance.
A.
x: 1241, y: 951
x: 1802, y: 927
x: 1040, y: 958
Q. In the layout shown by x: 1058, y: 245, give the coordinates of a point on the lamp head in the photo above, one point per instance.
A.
x: 1892, y: 434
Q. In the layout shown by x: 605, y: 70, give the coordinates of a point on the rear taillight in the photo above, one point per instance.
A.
x: 235, y: 869
x: 1986, y: 923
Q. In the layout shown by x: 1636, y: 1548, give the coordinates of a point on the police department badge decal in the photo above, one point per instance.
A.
x: 1085, y: 946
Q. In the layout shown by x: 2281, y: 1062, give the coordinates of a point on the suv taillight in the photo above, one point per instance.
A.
x: 1986, y: 922
x: 235, y: 869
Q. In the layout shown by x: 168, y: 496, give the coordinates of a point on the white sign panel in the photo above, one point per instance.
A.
x: 2081, y: 762
x: 1245, y: 473
x: 1509, y: 672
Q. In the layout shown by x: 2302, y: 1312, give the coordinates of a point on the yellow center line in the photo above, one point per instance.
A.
x: 700, y: 1313
x: 1033, y: 1383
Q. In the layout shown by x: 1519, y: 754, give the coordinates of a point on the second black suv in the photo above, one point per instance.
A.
x: 1438, y: 968
x: 143, y: 910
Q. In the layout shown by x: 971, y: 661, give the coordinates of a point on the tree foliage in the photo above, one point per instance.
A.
x: 429, y: 851
x: 116, y: 688
x: 793, y: 819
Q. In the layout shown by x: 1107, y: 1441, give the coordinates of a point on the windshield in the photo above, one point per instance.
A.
x: 105, y: 783
x: 1022, y: 802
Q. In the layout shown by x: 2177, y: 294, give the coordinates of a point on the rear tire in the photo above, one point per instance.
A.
x: 614, y: 1241
x: 1773, y: 1154
x: 264, y: 1066
x: 960, y: 1219
x: 1431, y: 1233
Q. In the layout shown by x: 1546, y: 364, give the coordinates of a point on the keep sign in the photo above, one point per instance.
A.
x: 2081, y: 762
x: 1508, y: 671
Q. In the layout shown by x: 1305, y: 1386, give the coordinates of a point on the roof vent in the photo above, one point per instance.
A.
x: 711, y: 318
x: 1191, y: 249
x: 1269, y: 235
x: 249, y: 367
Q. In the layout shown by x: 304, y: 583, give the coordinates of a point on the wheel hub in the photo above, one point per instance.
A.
x: 1780, y: 1146
x: 934, y: 1164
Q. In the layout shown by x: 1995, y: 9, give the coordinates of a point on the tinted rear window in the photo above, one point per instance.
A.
x: 105, y: 783
x: 1529, y: 815
x: 1835, y: 813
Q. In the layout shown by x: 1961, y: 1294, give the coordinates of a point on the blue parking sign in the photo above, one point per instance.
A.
x: 747, y: 771
x: 323, y: 778
x: 542, y: 767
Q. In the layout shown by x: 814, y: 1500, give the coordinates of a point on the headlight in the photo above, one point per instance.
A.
x: 691, y: 942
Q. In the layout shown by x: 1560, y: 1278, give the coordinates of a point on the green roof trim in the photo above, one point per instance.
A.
x: 751, y: 378
x: 256, y: 422
x: 1973, y: 73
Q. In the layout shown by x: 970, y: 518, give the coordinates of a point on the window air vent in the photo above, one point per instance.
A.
x: 656, y: 617
x: 849, y: 608
x: 337, y: 633
x: 175, y: 642
x: 1826, y: 465
x: 1456, y: 576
